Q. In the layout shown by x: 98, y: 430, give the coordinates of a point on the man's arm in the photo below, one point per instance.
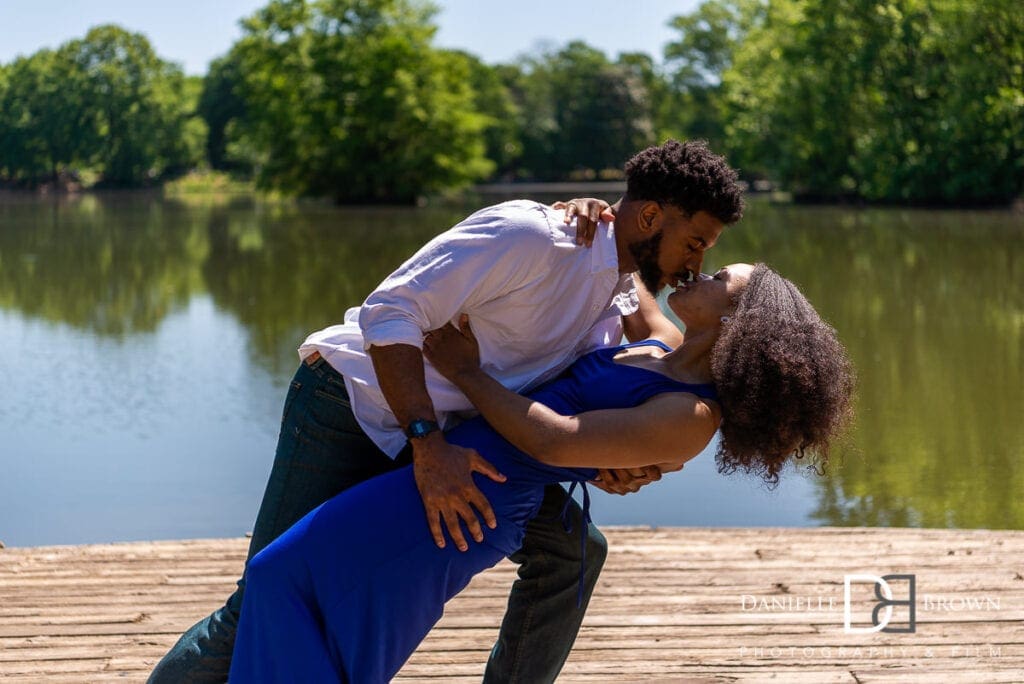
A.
x: 443, y: 471
x: 470, y: 264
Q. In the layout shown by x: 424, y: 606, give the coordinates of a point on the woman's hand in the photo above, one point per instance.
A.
x: 453, y: 351
x: 626, y: 480
x: 630, y: 480
x: 587, y: 211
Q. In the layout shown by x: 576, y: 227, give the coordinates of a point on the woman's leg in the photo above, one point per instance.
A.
x: 281, y: 638
x: 359, y: 581
x: 321, y: 451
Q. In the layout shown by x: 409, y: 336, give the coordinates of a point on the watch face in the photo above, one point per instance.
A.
x: 421, y: 428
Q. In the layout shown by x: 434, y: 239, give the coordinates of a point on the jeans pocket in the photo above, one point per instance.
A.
x: 328, y: 415
x: 333, y: 397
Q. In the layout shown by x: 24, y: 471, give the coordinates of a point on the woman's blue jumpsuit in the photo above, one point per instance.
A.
x: 349, y: 591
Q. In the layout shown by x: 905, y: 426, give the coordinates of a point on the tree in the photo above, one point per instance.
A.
x: 897, y: 101
x: 138, y: 104
x: 220, y: 105
x: 347, y: 98
x: 104, y: 102
x: 657, y: 95
x: 44, y: 126
x: 951, y: 120
x: 492, y: 98
x: 708, y: 38
x: 581, y: 112
x: 790, y: 98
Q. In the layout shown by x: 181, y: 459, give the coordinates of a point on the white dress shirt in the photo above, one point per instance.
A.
x: 536, y: 302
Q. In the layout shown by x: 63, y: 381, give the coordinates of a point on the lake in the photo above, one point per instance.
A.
x: 147, y: 344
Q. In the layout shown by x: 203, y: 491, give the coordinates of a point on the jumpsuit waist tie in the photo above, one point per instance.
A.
x: 567, y: 526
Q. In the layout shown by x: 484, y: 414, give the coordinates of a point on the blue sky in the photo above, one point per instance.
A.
x: 192, y: 32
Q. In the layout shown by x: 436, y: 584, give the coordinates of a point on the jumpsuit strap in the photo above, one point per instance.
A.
x: 567, y: 526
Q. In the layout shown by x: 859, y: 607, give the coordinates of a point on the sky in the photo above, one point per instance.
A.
x: 193, y: 32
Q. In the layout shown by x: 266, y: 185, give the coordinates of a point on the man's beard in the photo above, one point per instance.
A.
x: 645, y: 254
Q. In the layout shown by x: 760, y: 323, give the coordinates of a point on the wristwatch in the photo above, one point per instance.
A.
x: 420, y: 428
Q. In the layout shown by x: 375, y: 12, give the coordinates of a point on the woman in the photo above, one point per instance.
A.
x: 756, y: 360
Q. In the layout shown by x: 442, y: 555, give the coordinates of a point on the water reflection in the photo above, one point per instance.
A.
x: 286, y: 272
x: 111, y: 267
x: 931, y: 308
x: 929, y: 304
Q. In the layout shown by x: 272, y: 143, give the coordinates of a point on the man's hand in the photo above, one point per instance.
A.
x: 588, y: 211
x: 444, y: 478
x: 629, y: 480
x: 444, y: 472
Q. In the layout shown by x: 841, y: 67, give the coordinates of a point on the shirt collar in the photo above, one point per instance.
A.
x: 605, y: 257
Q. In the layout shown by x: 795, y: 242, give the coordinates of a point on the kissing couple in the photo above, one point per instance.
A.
x: 382, y: 504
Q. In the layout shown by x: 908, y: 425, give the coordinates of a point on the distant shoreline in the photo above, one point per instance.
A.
x: 564, y: 189
x: 558, y: 186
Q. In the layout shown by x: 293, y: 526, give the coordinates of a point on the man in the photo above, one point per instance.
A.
x: 364, y: 402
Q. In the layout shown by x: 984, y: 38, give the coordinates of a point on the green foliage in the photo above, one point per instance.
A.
x: 347, y: 98
x: 210, y: 184
x: 43, y: 124
x: 104, y: 102
x: 493, y: 99
x: 219, y: 105
x: 693, y: 106
x: 137, y: 104
x: 905, y: 100
x: 660, y: 98
x: 580, y: 112
x: 190, y: 151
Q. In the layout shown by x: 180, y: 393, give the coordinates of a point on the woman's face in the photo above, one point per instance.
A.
x: 702, y: 303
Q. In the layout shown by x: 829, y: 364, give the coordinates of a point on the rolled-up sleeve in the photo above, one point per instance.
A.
x: 486, y: 256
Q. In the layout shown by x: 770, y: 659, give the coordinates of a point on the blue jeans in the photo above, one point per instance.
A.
x: 322, y: 451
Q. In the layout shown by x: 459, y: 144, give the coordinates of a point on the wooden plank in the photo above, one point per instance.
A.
x: 668, y: 608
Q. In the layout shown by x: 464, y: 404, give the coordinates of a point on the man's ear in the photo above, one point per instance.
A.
x: 649, y: 218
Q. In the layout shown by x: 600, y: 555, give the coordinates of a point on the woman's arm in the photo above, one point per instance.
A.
x: 649, y: 323
x: 669, y: 428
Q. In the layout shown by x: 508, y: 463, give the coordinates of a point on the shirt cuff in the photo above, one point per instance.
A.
x: 384, y: 333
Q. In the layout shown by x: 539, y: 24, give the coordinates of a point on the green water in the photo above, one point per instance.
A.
x: 147, y: 344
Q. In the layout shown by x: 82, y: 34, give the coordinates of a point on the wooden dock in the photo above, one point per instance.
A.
x: 673, y: 605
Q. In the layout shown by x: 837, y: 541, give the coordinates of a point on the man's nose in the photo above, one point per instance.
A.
x: 695, y: 263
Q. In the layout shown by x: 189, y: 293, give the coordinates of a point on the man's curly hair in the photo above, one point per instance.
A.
x: 783, y: 379
x: 687, y: 175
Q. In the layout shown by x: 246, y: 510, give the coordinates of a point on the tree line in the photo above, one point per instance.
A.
x: 866, y: 100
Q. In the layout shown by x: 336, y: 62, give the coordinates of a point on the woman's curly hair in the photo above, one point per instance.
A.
x: 783, y: 379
